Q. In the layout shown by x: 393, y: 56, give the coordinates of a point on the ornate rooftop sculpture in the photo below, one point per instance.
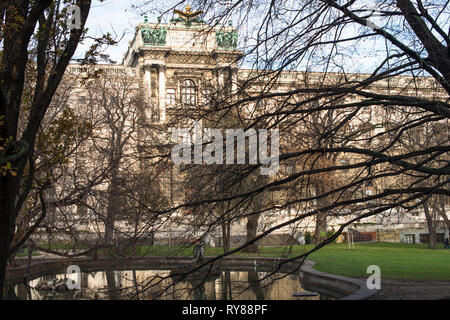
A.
x: 227, y: 40
x: 153, y: 37
x: 188, y: 16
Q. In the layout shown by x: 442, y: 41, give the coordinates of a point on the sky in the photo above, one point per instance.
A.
x: 120, y: 19
x: 116, y: 17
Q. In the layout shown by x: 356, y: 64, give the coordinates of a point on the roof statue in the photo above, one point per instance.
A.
x: 187, y: 16
x: 153, y: 36
x: 227, y: 40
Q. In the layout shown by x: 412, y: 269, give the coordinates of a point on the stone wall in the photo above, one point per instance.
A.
x: 389, y: 235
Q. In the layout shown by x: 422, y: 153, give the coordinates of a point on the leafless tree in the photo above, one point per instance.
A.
x: 355, y: 122
x: 30, y: 33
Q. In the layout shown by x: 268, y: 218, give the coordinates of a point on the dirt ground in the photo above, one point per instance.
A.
x: 392, y: 289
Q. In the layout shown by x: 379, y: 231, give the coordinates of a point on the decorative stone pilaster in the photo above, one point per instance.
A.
x: 162, y: 93
x: 234, y: 80
x: 147, y: 94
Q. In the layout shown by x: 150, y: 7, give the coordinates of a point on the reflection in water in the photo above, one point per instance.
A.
x: 160, y: 284
x: 226, y: 286
x: 255, y: 285
x: 198, y: 285
x: 113, y: 287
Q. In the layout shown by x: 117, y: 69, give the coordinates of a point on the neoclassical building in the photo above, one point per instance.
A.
x: 181, y: 61
x: 185, y: 61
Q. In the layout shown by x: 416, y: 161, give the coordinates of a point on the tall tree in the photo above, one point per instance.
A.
x: 31, y: 32
x: 405, y: 85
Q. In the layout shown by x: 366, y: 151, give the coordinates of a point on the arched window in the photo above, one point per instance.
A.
x: 188, y: 93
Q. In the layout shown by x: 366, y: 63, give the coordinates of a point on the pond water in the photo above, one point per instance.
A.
x: 163, y: 285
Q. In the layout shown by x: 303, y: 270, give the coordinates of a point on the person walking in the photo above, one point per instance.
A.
x: 446, y: 244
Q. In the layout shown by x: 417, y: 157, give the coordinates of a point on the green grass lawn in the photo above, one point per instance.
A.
x: 396, y: 261
x: 25, y: 253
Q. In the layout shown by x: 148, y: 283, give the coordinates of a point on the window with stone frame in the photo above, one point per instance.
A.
x: 188, y: 93
x: 82, y: 99
x: 206, y: 97
x: 410, y: 238
x: 171, y: 97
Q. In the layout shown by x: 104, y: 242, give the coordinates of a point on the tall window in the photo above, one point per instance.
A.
x: 206, y: 97
x: 82, y: 99
x: 369, y: 190
x: 170, y: 95
x: 188, y: 93
x: 410, y: 238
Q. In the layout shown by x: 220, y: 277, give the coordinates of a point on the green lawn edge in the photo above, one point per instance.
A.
x: 396, y: 260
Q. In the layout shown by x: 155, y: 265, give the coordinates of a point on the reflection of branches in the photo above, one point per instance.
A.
x: 325, y: 114
x: 342, y: 132
x: 255, y: 284
x: 300, y: 258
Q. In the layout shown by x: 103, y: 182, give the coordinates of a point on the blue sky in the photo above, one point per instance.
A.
x: 120, y: 19
x: 116, y: 17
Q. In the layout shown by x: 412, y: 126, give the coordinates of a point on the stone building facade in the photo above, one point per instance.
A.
x: 184, y: 62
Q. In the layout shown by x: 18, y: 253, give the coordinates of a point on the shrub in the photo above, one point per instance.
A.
x: 330, y: 233
x: 308, y: 237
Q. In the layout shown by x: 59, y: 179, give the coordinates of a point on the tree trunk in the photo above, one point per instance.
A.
x: 321, y: 228
x: 442, y: 212
x: 4, y: 248
x: 321, y: 217
x: 252, y: 228
x: 113, y: 206
x: 7, y: 217
x: 226, y: 235
x: 431, y: 228
x: 252, y: 221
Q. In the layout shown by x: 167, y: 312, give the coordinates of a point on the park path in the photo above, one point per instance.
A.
x: 402, y: 289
